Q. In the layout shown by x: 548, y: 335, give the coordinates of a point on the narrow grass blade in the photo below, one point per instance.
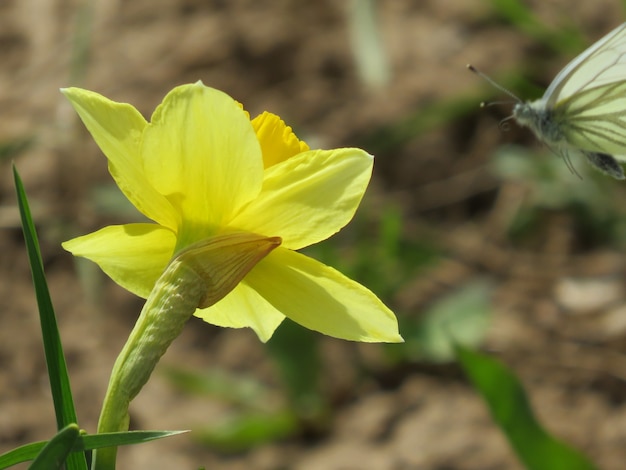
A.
x: 85, y: 442
x: 55, y: 361
x: 511, y: 410
x: 116, y: 439
x: 55, y: 452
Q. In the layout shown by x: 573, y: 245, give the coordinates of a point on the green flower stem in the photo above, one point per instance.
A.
x: 174, y: 299
x: 199, y: 276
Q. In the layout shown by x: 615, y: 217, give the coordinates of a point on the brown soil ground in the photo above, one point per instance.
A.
x: 559, y: 316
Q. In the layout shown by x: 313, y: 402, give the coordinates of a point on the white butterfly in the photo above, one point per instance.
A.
x: 584, y: 108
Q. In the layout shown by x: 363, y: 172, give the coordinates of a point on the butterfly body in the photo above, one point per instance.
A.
x: 542, y: 120
x: 555, y: 129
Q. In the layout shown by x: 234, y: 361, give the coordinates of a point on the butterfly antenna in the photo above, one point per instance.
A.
x: 493, y: 82
x: 484, y: 104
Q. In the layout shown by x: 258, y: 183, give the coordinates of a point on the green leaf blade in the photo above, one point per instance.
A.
x: 57, y: 450
x: 85, y: 442
x: 55, y: 360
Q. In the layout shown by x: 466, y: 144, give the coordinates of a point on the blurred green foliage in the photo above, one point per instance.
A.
x: 590, y: 199
x: 511, y: 410
x: 259, y: 413
x: 562, y: 38
x: 459, y: 317
x: 12, y: 148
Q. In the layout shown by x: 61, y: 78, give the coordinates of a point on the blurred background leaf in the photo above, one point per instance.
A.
x: 511, y: 410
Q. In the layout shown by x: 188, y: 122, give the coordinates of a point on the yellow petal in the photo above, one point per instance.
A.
x: 117, y: 128
x: 322, y: 299
x: 309, y: 197
x: 242, y: 308
x: 133, y: 255
x: 201, y: 152
x: 278, y: 142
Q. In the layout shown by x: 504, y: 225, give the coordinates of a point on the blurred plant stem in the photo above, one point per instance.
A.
x: 367, y: 47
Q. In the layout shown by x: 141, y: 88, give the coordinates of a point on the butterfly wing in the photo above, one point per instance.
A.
x: 588, y: 100
x: 602, y: 63
x: 595, y: 119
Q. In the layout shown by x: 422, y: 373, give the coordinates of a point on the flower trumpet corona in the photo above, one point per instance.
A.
x: 231, y: 200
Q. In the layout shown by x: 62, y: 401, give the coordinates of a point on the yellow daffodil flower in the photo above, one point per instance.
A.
x: 231, y: 200
x: 201, y: 170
